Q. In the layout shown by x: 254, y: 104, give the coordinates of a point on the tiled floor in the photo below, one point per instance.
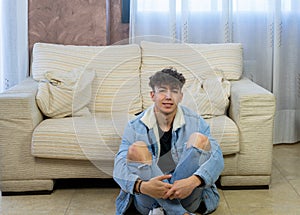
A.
x: 283, y: 197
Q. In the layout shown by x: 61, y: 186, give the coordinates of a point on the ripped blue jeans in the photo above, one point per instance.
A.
x: 191, y: 159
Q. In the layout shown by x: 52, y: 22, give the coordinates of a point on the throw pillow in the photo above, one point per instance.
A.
x: 208, y: 97
x: 63, y: 94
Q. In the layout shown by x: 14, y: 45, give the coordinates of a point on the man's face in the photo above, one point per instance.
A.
x: 166, y: 99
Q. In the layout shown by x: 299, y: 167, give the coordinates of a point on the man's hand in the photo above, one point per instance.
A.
x: 155, y: 187
x: 182, y: 188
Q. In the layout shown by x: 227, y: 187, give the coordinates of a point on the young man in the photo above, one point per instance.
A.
x: 168, y: 162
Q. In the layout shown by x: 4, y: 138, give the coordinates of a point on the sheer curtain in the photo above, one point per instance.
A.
x: 13, y: 42
x: 286, y: 73
x: 268, y: 29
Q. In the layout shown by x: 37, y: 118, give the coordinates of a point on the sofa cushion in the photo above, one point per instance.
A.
x: 99, y: 137
x: 206, y: 90
x: 116, y: 83
x: 79, y: 138
x: 227, y: 57
x: 208, y: 97
x: 226, y: 132
x: 65, y: 94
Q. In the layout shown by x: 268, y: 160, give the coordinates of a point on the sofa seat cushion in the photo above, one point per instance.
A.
x: 81, y: 138
x: 225, y: 131
x: 98, y: 137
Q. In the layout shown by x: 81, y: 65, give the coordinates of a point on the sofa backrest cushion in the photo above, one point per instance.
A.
x: 116, y: 85
x: 207, y: 89
x: 226, y: 57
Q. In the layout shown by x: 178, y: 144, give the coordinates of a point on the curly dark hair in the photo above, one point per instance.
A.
x: 168, y: 76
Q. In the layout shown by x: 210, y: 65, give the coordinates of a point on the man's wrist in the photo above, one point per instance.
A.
x: 137, y: 186
x: 202, y: 182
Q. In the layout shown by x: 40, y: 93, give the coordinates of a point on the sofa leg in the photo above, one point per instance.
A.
x: 26, y: 186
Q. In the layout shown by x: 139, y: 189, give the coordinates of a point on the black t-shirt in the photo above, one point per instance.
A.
x: 165, y: 141
x: 166, y: 162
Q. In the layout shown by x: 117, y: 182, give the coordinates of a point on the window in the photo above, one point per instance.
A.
x: 153, y: 5
x: 286, y: 5
x: 205, y: 5
x: 250, y: 5
x: 209, y: 5
x: 164, y: 5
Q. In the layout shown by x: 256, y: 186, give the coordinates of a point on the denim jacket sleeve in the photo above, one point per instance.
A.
x: 121, y: 174
x: 213, y: 167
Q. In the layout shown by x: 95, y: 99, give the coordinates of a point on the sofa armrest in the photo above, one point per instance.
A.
x: 252, y: 108
x: 19, y: 115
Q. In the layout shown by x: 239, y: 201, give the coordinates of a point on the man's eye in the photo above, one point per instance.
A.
x: 175, y: 91
x: 162, y: 91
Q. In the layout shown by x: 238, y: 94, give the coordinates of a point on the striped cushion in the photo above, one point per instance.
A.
x: 65, y: 94
x: 208, y: 97
x: 226, y: 132
x: 99, y: 137
x: 227, y: 57
x: 116, y: 83
x: 206, y: 90
x: 80, y: 138
x: 95, y: 139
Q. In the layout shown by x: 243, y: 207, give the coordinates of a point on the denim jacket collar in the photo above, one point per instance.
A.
x: 149, y: 118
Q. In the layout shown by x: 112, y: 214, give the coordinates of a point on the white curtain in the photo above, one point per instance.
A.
x: 13, y: 42
x: 286, y: 73
x: 268, y: 29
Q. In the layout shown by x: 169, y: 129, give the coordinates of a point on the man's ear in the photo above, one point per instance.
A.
x: 152, y: 95
x: 181, y: 96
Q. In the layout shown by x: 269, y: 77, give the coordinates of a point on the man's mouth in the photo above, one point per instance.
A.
x: 167, y: 104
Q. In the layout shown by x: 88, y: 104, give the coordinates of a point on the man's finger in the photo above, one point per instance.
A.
x: 163, y: 177
x: 169, y: 194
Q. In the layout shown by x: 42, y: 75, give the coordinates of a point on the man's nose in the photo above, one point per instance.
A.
x: 168, y: 94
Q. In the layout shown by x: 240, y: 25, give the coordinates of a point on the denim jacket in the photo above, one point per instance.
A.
x: 144, y: 128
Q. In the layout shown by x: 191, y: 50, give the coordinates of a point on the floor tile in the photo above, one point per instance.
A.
x: 223, y: 208
x: 278, y: 193
x: 296, y: 185
x: 282, y: 197
x: 56, y: 203
x: 93, y: 201
x: 289, y: 167
x: 278, y: 210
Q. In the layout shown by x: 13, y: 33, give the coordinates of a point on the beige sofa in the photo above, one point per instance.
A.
x: 40, y: 143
